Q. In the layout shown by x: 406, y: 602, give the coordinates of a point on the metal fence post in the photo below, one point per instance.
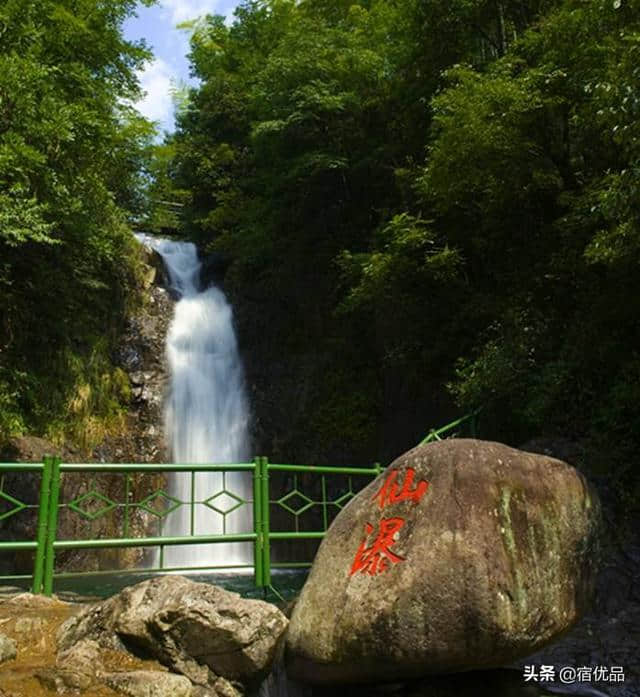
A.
x: 257, y: 522
x: 325, y: 515
x: 52, y: 526
x: 266, y: 549
x: 43, y: 519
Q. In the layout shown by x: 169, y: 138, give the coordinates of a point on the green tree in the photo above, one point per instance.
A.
x: 429, y: 199
x: 531, y: 175
x: 70, y: 156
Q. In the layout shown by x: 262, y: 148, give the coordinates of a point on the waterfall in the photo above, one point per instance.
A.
x: 206, y: 413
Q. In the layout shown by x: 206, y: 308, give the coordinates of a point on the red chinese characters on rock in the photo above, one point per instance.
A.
x: 378, y: 557
x: 389, y: 492
x: 375, y: 559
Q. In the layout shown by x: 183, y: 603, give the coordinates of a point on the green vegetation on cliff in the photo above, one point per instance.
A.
x: 439, y: 200
x: 71, y: 152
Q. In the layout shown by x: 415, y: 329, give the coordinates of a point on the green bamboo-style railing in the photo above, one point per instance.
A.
x: 264, y: 498
x: 47, y: 543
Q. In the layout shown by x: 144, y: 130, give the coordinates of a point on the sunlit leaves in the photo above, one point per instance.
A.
x: 22, y: 219
x: 71, y: 157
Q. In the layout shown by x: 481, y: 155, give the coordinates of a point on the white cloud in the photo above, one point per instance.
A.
x: 156, y: 83
x: 170, y: 47
x: 183, y: 10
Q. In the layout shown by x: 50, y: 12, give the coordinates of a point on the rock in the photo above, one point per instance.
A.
x: 8, y: 648
x: 31, y: 629
x: 137, y: 377
x: 25, y: 487
x: 141, y: 354
x: 148, y: 277
x: 153, y: 260
x: 221, y: 688
x: 29, y: 601
x: 29, y: 449
x: 487, y: 553
x: 128, y: 357
x: 61, y: 681
x: 78, y: 667
x: 149, y: 683
x: 30, y: 612
x: 49, y: 679
x: 196, y: 629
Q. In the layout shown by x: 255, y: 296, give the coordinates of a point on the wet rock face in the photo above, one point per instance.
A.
x: 463, y: 554
x: 197, y: 630
x: 141, y: 354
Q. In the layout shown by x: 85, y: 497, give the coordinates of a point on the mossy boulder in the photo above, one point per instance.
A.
x: 462, y: 555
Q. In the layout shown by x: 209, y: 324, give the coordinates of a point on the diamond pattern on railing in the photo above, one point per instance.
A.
x: 150, y: 504
x: 17, y: 505
x: 224, y: 505
x: 304, y: 502
x: 83, y: 505
x: 344, y: 499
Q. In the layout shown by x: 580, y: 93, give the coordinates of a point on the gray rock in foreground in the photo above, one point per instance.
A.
x: 462, y: 555
x: 195, y: 629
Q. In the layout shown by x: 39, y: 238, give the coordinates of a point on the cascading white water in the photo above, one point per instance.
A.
x: 206, y: 414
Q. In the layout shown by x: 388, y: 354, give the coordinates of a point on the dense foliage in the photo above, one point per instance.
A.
x: 431, y: 198
x: 71, y: 154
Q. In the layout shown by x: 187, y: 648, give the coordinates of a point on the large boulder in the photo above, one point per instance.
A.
x: 463, y: 554
x: 196, y: 629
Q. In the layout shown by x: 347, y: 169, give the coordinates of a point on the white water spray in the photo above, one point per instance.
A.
x: 206, y: 415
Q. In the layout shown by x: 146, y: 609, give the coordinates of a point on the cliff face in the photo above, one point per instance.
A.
x: 140, y: 354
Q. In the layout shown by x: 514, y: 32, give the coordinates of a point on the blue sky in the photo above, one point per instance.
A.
x: 157, y: 25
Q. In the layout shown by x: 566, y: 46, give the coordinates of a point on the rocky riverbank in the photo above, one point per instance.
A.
x: 168, y: 637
